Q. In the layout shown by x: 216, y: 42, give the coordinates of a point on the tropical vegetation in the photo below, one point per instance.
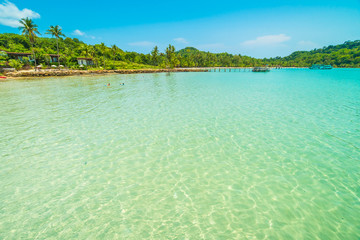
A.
x: 15, y: 64
x: 56, y: 32
x: 29, y: 29
x: 69, y: 49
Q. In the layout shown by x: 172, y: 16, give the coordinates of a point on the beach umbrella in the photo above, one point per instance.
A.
x: 53, y: 66
x: 61, y: 66
x: 81, y: 66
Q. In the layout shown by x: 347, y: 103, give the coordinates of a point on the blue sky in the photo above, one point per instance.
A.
x: 255, y: 28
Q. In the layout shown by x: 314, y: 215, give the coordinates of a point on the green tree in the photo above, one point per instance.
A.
x: 155, y: 55
x: 15, y: 64
x: 92, y: 53
x: 55, y: 31
x: 171, y: 57
x: 114, y: 50
x: 103, y: 50
x: 30, y: 30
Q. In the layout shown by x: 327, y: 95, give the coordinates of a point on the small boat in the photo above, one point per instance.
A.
x: 320, y: 67
x: 261, y: 69
x: 3, y: 77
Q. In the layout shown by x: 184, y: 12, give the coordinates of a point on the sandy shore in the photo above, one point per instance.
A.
x: 49, y: 73
x: 67, y: 72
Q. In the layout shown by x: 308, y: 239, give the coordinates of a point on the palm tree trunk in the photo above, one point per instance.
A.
x: 32, y: 48
x: 57, y: 46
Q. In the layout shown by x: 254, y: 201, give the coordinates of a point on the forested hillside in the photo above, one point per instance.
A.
x: 342, y: 55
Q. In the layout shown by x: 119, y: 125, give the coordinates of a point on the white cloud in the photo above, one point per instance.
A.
x: 181, y: 40
x: 142, y: 44
x: 77, y: 32
x: 267, y: 40
x: 10, y: 14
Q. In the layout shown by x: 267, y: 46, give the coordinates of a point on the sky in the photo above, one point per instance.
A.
x: 255, y: 28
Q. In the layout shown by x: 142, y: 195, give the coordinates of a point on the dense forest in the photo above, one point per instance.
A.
x: 342, y: 55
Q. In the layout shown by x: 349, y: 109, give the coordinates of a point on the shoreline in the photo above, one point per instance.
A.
x: 59, y: 73
x: 66, y: 72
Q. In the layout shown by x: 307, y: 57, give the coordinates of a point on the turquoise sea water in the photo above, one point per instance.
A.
x: 236, y: 155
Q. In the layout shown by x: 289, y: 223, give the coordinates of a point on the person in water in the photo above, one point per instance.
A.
x: 108, y: 84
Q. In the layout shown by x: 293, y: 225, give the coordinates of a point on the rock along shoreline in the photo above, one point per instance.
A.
x: 50, y: 73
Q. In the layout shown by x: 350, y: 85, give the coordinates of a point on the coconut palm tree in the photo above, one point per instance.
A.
x: 155, y: 55
x: 114, y: 50
x: 85, y: 50
x: 55, y: 31
x: 29, y: 29
x: 103, y: 49
x: 92, y: 53
x: 171, y: 57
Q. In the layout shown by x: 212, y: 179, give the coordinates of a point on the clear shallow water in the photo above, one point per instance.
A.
x: 182, y: 156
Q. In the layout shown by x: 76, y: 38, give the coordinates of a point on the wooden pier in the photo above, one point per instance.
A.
x: 228, y: 69
x: 237, y: 69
